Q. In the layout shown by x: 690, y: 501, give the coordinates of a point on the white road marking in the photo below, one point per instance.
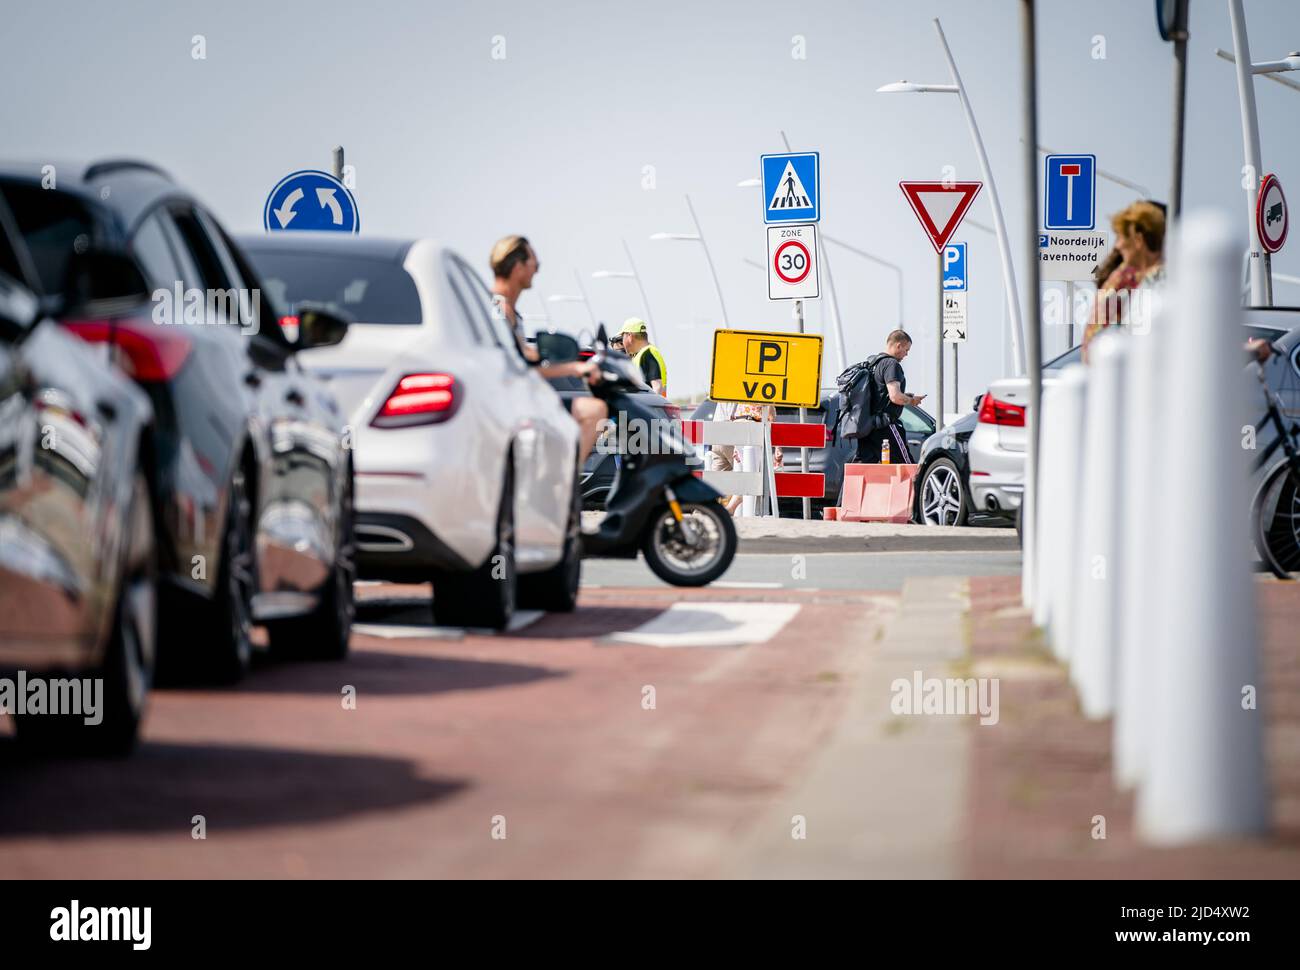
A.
x: 710, y: 625
x: 392, y: 631
x: 744, y: 585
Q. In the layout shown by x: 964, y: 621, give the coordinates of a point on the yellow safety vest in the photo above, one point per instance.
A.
x: 653, y: 351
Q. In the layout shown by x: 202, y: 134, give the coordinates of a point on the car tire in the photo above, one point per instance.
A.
x: 486, y: 596
x: 226, y: 632
x: 128, y: 665
x: 944, y: 497
x: 324, y: 633
x: 556, y: 589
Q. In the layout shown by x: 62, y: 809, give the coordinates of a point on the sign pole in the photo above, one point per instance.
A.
x: 1069, y: 303
x: 938, y: 357
x: 338, y: 162
x: 803, y: 418
x: 956, y: 394
x: 769, y: 479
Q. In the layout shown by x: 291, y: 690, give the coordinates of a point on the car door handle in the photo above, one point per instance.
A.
x: 253, y: 379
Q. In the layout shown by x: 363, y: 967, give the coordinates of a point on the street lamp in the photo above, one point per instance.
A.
x: 610, y: 274
x: 999, y: 223
x: 1142, y: 191
x: 569, y: 298
x: 1272, y: 76
x: 1261, y: 284
x: 697, y: 236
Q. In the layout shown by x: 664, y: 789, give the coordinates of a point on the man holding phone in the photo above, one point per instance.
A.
x: 888, y: 390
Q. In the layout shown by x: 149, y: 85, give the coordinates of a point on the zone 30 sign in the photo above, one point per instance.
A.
x: 755, y: 367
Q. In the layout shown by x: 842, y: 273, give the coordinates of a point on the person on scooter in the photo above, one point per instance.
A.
x: 514, y: 264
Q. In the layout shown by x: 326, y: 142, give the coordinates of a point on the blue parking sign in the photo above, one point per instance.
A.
x: 954, y: 267
x: 1070, y: 192
x: 791, y: 187
x: 313, y: 201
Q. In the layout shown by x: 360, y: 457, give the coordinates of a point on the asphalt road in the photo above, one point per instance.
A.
x: 649, y: 733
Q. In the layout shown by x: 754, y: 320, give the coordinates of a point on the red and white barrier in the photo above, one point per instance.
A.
x: 744, y: 434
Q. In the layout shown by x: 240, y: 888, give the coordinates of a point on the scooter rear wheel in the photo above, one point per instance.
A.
x: 676, y: 562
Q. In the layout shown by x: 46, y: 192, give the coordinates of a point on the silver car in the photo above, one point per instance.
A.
x: 997, y: 446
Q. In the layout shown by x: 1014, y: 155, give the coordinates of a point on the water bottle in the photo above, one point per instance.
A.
x: 884, y: 452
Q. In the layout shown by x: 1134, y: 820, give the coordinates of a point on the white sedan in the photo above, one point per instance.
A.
x: 465, y: 458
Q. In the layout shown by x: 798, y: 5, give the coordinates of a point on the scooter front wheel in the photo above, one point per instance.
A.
x: 695, y: 552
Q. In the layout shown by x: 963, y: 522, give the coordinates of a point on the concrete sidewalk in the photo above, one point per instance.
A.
x: 944, y: 796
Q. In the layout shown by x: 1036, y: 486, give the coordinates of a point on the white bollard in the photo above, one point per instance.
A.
x: 1205, y: 775
x: 1061, y: 527
x: 1031, y: 580
x: 1097, y: 567
x: 1145, y: 490
x: 1041, y: 509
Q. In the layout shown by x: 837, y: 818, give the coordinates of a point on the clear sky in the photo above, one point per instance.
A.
x: 553, y: 140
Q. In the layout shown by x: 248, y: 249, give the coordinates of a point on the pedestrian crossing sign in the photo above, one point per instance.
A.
x: 791, y: 187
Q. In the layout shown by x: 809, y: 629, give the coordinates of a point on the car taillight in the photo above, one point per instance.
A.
x: 147, y: 352
x: 419, y: 399
x: 289, y: 321
x: 993, y: 411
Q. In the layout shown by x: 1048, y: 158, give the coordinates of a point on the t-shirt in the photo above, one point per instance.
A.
x: 889, y: 369
x: 650, y: 368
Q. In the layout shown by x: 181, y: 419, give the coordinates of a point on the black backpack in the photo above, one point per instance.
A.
x: 861, y: 382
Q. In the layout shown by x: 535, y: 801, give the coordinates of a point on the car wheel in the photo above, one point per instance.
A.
x: 324, y: 633
x: 486, y: 596
x: 556, y: 589
x: 944, y: 496
x: 227, y: 631
x: 128, y: 665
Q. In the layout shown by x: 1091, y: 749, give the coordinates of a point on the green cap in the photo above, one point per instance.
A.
x: 633, y: 325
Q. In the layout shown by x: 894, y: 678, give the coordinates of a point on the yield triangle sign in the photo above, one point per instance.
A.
x: 940, y: 206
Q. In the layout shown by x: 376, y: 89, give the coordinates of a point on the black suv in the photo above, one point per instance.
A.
x: 254, y: 482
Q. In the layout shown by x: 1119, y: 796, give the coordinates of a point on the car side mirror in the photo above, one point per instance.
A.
x: 557, y: 348
x: 976, y: 405
x: 318, y: 327
x: 100, y: 282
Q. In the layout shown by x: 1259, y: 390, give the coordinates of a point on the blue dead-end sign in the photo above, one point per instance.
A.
x: 791, y: 187
x: 1070, y: 192
x: 311, y: 201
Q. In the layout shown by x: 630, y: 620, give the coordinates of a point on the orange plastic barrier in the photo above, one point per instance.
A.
x: 876, y: 493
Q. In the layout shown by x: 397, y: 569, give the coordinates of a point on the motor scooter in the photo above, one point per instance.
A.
x: 656, y: 506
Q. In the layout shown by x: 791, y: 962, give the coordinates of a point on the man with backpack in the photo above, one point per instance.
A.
x: 872, y: 396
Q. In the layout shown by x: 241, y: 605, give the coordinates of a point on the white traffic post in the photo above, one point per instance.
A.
x: 1205, y: 775
x: 1039, y: 512
x: 1098, y: 567
x: 1146, y: 486
x: 1060, y: 520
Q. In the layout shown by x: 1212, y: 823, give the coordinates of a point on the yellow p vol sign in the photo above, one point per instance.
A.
x: 767, y: 368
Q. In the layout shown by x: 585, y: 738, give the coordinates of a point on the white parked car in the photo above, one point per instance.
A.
x: 465, y: 459
x: 997, y: 445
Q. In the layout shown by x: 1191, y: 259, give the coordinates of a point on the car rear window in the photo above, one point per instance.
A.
x: 54, y: 225
x: 365, y: 290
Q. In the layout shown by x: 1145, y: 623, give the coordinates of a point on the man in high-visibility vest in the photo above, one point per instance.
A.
x: 637, y: 345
